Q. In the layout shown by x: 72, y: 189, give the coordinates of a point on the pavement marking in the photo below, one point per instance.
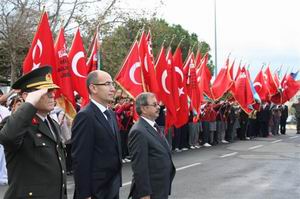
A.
x: 229, y: 154
x: 276, y: 141
x: 294, y: 137
x: 188, y: 166
x: 255, y: 147
x: 126, y: 184
x: 178, y: 169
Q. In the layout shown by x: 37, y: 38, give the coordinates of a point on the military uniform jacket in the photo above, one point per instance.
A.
x: 35, y: 159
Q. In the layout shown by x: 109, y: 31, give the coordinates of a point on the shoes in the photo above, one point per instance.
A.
x: 224, y: 142
x: 127, y: 160
x: 177, y: 150
x: 197, y: 146
x: 206, y: 145
x: 123, y: 161
x: 247, y: 138
x: 184, y: 149
x: 192, y: 147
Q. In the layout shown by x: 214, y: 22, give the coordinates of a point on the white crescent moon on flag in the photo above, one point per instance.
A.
x: 95, y: 57
x: 178, y: 70
x: 75, y: 60
x: 257, y: 84
x: 146, y: 63
x: 40, y: 46
x: 132, y: 72
x: 163, y: 81
x: 198, y: 79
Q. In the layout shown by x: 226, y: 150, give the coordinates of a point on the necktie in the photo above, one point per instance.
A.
x: 158, y: 130
x: 109, y: 119
x: 49, y: 126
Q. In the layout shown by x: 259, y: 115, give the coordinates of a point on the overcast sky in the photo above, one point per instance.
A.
x: 254, y: 31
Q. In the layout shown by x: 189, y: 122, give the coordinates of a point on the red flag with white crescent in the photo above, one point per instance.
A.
x: 204, y: 76
x: 147, y: 65
x: 222, y: 82
x: 182, y: 108
x: 165, y: 94
x: 65, y: 94
x: 92, y: 62
x: 130, y: 75
x: 77, y: 59
x: 261, y: 87
x: 243, y: 93
x: 41, y: 52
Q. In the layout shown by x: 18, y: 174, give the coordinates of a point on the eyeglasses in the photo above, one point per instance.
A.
x: 111, y: 84
x: 154, y: 105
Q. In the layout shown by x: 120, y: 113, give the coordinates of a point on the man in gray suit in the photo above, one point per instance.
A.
x: 152, y: 165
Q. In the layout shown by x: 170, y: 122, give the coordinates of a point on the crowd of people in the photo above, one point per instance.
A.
x: 219, y: 122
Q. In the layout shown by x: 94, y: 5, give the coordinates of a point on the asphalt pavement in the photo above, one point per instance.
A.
x: 263, y: 168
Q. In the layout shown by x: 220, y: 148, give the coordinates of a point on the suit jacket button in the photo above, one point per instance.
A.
x: 44, y: 144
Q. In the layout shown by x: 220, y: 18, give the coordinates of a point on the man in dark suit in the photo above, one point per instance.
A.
x: 96, y: 147
x: 33, y: 148
x: 284, y: 115
x: 152, y: 165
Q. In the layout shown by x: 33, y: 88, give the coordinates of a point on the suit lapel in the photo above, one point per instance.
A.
x: 116, y: 129
x: 100, y: 117
x: 153, y: 132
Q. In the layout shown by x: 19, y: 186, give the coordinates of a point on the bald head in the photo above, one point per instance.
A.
x: 101, y: 87
x: 95, y: 77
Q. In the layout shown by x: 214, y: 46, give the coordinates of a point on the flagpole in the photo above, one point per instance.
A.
x: 215, y: 20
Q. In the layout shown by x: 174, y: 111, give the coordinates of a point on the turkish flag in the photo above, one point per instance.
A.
x: 187, y: 72
x: 231, y: 70
x: 129, y: 77
x: 204, y: 76
x: 196, y: 94
x: 182, y: 109
x: 41, y: 52
x: 65, y: 95
x: 271, y: 83
x: 222, y: 82
x: 243, y: 93
x: 147, y: 65
x: 77, y: 59
x: 92, y: 63
x: 290, y: 87
x: 165, y: 94
x: 198, y: 59
x: 238, y: 72
x: 261, y: 87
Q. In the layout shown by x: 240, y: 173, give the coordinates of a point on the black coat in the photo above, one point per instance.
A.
x: 96, y: 153
x: 152, y: 165
x: 35, y: 160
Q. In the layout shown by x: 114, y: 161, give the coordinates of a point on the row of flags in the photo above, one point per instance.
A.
x: 70, y: 69
x: 180, y: 85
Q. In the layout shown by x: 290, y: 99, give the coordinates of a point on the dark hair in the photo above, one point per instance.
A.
x: 14, y: 101
x: 142, y: 100
x: 91, y: 78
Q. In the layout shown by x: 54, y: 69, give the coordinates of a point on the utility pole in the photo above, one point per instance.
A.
x: 215, y: 20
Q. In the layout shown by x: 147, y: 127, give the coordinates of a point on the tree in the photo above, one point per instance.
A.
x: 19, y: 19
x: 116, y: 45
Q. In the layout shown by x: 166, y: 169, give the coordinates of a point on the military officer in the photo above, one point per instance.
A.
x: 33, y: 149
